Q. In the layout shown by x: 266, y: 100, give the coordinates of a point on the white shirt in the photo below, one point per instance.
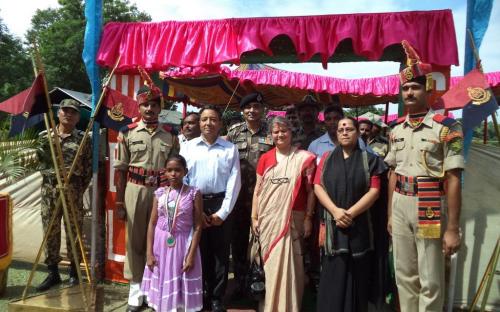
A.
x: 214, y: 169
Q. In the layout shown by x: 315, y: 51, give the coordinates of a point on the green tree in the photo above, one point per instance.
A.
x: 59, y: 34
x: 354, y: 112
x: 15, y: 67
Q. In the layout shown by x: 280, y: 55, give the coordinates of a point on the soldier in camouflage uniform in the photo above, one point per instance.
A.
x: 377, y: 141
x: 142, y: 151
x: 309, y: 131
x: 70, y: 138
x: 252, y: 139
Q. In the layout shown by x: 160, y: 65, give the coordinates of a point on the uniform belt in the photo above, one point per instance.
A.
x: 410, y: 186
x: 214, y: 195
x: 147, y: 177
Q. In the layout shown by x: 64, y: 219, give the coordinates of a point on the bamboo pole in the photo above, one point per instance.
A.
x: 59, y: 202
x: 62, y: 181
x: 488, y: 272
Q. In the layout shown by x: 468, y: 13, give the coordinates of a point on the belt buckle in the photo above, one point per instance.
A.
x: 409, y: 188
x: 150, y: 180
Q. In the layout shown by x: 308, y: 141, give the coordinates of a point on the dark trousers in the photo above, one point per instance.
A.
x: 240, y: 239
x: 343, y: 285
x: 214, y: 246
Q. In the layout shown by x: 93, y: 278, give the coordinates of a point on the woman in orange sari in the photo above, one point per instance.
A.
x: 282, y: 210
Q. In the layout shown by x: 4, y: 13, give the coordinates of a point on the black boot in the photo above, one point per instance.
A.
x: 73, y: 275
x: 51, y: 280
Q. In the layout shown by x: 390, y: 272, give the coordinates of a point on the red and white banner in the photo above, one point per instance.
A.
x: 115, y: 231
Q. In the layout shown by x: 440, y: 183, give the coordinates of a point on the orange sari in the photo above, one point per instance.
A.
x: 281, y: 229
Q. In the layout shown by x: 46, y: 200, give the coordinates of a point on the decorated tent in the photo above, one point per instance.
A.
x: 205, y: 45
x: 281, y: 87
x: 325, y: 38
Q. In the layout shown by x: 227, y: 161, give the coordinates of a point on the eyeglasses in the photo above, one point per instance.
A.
x: 280, y: 180
x: 347, y: 130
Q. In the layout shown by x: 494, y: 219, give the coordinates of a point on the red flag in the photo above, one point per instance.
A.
x: 29, y: 102
x: 129, y: 106
x: 474, y: 96
x: 117, y: 110
x: 459, y: 95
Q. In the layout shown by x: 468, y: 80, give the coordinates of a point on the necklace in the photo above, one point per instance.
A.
x: 281, y: 180
x: 172, y: 213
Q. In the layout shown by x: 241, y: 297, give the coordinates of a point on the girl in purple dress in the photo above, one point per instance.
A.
x: 172, y: 277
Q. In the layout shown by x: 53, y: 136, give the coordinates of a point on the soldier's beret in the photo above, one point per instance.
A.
x: 251, y: 98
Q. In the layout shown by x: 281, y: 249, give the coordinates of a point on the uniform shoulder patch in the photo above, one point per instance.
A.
x: 236, y: 125
x: 167, y: 128
x: 396, y: 122
x: 128, y: 127
x: 445, y: 121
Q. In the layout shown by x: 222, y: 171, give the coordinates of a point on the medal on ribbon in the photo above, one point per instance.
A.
x: 172, y: 217
x: 171, y: 241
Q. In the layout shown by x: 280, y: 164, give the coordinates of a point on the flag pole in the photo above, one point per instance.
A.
x: 62, y: 181
x: 480, y: 68
x: 92, y: 118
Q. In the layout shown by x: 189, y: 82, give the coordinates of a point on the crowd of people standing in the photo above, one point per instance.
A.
x: 322, y: 204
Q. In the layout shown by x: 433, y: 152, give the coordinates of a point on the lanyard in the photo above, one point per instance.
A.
x: 171, y: 221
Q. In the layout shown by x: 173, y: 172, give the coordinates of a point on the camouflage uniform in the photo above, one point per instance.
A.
x: 379, y: 145
x: 303, y: 140
x: 77, y: 186
x: 139, y: 150
x: 250, y: 147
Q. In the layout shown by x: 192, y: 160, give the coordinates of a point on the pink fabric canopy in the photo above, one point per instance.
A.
x: 385, y: 86
x: 321, y: 117
x: 156, y: 46
x: 278, y: 84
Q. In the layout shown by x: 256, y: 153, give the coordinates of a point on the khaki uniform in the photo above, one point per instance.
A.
x: 429, y: 150
x: 250, y: 147
x: 50, y: 195
x: 141, y: 150
x: 379, y: 145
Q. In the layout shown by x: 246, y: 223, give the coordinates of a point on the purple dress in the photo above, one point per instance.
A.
x: 167, y: 288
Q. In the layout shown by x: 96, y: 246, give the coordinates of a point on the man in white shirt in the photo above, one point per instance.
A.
x: 214, y: 168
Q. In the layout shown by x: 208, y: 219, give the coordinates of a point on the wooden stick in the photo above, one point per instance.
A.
x: 62, y: 181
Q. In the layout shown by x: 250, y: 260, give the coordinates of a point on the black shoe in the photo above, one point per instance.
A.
x: 217, y: 306
x: 73, y: 275
x: 132, y: 308
x: 51, y: 280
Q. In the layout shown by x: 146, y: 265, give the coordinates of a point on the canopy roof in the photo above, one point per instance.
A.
x: 323, y: 38
x: 281, y: 87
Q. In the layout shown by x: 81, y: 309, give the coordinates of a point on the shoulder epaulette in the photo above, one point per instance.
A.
x: 167, y: 128
x: 395, y: 122
x: 236, y: 125
x: 445, y: 121
x: 128, y: 127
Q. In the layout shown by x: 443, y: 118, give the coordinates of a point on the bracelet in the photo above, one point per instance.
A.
x: 255, y: 217
x: 119, y: 202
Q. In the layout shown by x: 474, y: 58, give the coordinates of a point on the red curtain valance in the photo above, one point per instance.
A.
x: 156, y: 46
